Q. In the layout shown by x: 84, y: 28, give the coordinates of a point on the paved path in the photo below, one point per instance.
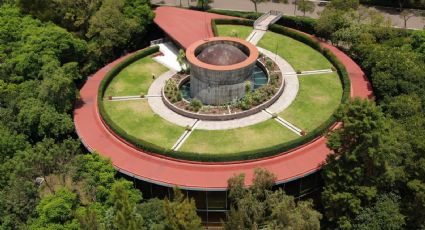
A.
x: 416, y: 22
x: 255, y: 36
x: 288, y: 96
x: 264, y: 23
x: 192, y: 175
x: 158, y: 106
x: 184, y: 136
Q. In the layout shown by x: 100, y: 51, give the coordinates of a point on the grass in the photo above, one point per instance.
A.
x: 229, y: 31
x: 137, y: 118
x: 136, y: 78
x: 318, y: 97
x: 301, y: 56
x: 253, y: 137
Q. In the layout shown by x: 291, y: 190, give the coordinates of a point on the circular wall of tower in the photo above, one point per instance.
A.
x: 219, y: 68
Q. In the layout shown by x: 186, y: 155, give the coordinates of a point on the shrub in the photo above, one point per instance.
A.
x: 195, y: 105
x: 171, y: 91
x: 269, y: 64
x: 274, y: 79
x: 248, y: 86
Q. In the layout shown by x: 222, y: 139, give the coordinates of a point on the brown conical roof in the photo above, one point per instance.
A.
x: 222, y: 54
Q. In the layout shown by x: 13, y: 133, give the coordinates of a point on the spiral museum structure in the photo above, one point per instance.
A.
x: 156, y: 175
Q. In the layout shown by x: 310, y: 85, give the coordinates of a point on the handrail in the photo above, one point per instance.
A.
x: 261, y: 18
x: 159, y: 41
x: 276, y: 13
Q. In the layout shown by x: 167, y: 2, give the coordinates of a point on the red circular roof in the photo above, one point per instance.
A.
x: 193, y: 175
x: 192, y: 49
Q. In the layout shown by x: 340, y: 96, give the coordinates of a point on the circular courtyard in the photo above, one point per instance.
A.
x: 124, y: 115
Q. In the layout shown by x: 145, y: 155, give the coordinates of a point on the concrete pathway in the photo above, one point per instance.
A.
x: 264, y: 23
x: 286, y: 123
x: 291, y: 82
x: 158, y: 106
x: 130, y: 98
x: 315, y: 72
x: 184, y: 136
x: 261, y: 26
x: 416, y: 22
x: 289, y: 93
x: 169, y: 57
x: 256, y: 36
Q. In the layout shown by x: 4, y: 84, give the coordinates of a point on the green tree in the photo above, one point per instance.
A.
x: 306, y: 6
x: 259, y: 207
x: 56, y: 211
x: 153, y: 214
x: 344, y: 4
x: 204, y: 4
x: 181, y: 213
x: 330, y: 21
x: 58, y: 89
x: 366, y: 158
x: 255, y: 2
x: 181, y: 59
x: 109, y: 29
x: 10, y: 142
x: 125, y: 215
x: 384, y: 214
x: 406, y: 15
x: 39, y: 120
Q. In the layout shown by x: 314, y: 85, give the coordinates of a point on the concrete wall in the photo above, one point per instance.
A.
x: 214, y: 87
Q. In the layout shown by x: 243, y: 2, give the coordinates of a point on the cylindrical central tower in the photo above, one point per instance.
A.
x: 219, y: 68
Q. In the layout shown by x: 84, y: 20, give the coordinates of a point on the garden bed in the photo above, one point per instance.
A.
x: 253, y: 102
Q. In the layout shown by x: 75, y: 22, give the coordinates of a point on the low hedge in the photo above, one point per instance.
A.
x: 246, y: 155
x: 236, y: 21
x: 101, y: 93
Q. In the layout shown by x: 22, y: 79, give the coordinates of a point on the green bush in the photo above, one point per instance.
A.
x: 171, y: 91
x: 195, y: 105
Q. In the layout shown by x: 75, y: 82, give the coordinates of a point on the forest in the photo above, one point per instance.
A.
x: 374, y: 180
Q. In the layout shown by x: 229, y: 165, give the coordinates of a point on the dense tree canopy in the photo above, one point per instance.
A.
x: 258, y: 207
x: 375, y: 178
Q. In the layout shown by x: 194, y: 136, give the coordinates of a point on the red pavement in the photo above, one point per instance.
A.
x: 185, y: 26
x: 195, y: 175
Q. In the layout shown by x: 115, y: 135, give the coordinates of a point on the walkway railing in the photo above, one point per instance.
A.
x: 277, y: 15
x: 258, y: 21
x: 159, y: 41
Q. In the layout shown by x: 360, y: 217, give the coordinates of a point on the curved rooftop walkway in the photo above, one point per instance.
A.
x: 192, y: 175
x: 185, y: 26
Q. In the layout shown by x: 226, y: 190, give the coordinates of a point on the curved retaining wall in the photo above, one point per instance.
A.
x: 224, y: 117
